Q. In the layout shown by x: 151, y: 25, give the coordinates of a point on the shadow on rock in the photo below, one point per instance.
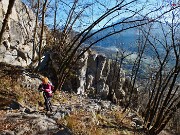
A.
x: 64, y: 131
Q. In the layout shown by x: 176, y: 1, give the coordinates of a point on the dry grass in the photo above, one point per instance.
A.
x: 86, y: 123
x: 82, y: 123
x: 10, y: 124
x: 12, y: 91
x: 76, y: 124
x: 122, y: 119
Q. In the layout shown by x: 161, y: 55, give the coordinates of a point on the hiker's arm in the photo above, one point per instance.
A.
x: 47, y: 90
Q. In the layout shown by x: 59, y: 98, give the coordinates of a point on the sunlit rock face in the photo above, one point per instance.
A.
x: 95, y: 68
x: 103, y: 77
x: 107, y: 76
x: 81, y: 73
x: 96, y: 75
x: 17, y: 43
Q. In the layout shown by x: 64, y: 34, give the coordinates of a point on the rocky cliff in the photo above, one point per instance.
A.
x: 96, y: 76
x: 17, y: 42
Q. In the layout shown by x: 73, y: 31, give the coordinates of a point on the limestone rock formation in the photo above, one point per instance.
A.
x: 81, y: 73
x: 106, y: 76
x: 96, y: 75
x: 17, y: 42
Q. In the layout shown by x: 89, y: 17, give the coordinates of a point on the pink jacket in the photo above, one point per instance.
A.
x: 47, y: 89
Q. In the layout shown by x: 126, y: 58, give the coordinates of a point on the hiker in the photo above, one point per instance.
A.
x: 47, y: 88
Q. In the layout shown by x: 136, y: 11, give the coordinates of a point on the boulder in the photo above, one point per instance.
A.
x: 30, y: 124
x: 30, y: 81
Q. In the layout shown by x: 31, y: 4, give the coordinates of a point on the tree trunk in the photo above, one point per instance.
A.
x: 42, y: 31
x: 35, y: 30
x: 55, y: 18
x: 5, y: 21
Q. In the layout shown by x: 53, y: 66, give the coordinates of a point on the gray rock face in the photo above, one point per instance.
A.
x: 17, y: 43
x: 82, y: 74
x: 30, y: 81
x: 102, y: 77
x: 105, y: 77
x: 97, y: 75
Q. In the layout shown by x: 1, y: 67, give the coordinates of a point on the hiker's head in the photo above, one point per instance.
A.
x: 45, y: 80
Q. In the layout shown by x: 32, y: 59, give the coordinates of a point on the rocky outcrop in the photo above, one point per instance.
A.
x: 96, y: 76
x: 17, y: 43
x: 81, y: 73
x: 105, y: 78
x: 24, y: 76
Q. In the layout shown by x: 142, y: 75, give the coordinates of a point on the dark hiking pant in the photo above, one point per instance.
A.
x: 47, y: 102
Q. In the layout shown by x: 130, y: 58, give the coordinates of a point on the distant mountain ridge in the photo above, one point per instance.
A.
x: 129, y: 39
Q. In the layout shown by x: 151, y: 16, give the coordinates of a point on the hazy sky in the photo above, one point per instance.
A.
x: 97, y: 9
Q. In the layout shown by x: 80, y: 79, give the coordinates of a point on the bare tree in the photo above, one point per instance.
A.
x: 42, y: 31
x: 164, y: 99
x: 70, y: 43
x: 6, y: 18
x: 136, y: 66
x: 55, y: 20
x: 35, y: 31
